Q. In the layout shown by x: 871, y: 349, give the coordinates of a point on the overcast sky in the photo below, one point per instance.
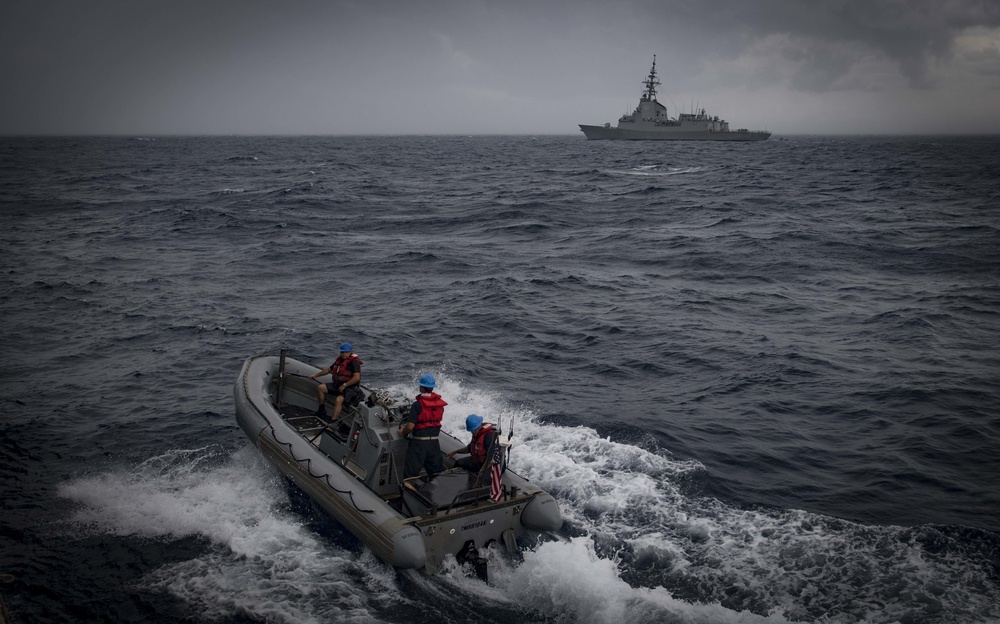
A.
x: 496, y: 66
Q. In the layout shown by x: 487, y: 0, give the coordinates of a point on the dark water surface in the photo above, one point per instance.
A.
x: 762, y: 380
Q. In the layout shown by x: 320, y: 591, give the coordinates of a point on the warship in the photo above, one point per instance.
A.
x: 650, y: 122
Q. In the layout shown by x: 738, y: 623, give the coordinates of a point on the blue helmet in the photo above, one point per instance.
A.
x: 427, y: 381
x: 346, y: 347
x: 472, y: 422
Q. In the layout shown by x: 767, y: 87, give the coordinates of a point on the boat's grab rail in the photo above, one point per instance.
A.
x: 472, y: 495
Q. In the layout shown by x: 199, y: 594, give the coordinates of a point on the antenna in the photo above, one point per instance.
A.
x: 649, y: 93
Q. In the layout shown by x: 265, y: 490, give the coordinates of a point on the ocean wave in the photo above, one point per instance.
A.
x: 763, y: 389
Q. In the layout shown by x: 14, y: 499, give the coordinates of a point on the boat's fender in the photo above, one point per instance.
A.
x: 542, y: 514
x: 408, y: 549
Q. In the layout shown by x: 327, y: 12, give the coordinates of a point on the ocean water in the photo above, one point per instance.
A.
x: 760, y: 379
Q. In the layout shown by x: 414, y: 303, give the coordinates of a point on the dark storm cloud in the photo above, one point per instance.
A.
x: 911, y: 33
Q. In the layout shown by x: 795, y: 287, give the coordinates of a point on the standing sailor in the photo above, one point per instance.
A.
x: 424, y: 422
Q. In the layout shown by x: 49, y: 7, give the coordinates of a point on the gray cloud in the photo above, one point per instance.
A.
x: 911, y: 33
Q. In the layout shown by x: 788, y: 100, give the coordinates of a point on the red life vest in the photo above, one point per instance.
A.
x: 431, y: 411
x: 339, y: 368
x: 477, y: 448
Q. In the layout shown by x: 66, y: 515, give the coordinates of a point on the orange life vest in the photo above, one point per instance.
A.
x: 339, y: 368
x: 477, y: 448
x: 431, y: 410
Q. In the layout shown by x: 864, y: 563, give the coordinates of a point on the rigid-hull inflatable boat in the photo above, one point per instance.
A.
x: 353, y: 468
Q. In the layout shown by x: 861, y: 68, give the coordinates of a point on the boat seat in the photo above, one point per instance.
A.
x: 353, y: 396
x: 452, y: 487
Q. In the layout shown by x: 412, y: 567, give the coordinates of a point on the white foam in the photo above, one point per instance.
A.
x: 622, y: 504
x: 627, y: 503
x: 262, y: 561
x: 657, y: 171
x: 570, y: 579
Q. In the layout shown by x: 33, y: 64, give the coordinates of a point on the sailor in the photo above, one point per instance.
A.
x: 484, y: 436
x: 346, y: 372
x: 424, y: 422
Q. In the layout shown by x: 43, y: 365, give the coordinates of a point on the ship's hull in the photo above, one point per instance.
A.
x: 624, y: 134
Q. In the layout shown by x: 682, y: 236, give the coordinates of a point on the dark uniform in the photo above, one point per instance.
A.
x: 424, y: 452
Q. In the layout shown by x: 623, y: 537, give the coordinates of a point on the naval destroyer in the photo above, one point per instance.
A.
x: 650, y: 122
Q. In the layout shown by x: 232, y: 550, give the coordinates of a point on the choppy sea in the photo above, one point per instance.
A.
x: 760, y: 379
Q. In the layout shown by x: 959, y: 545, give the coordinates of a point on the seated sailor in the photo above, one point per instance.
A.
x: 484, y: 436
x: 346, y: 372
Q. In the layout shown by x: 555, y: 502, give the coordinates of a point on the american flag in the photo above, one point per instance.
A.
x: 495, y: 477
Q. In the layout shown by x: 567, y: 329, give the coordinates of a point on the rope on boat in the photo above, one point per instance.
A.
x: 307, y: 462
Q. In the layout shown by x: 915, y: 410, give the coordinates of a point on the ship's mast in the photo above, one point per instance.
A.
x: 650, y: 83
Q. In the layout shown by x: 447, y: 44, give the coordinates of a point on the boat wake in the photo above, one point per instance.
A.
x: 635, y: 546
x: 262, y: 560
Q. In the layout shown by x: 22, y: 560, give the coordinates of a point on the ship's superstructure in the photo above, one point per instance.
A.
x: 650, y: 121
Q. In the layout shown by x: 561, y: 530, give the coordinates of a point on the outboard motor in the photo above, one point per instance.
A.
x: 469, y: 554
